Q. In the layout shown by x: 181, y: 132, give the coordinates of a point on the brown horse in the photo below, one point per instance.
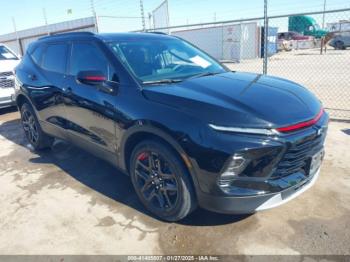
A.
x: 325, y: 40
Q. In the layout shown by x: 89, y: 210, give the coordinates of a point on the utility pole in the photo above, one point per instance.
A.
x: 19, y: 49
x: 94, y: 14
x: 46, y: 23
x: 266, y: 32
x: 324, y: 13
x: 142, y: 16
x: 14, y: 26
x: 150, y: 21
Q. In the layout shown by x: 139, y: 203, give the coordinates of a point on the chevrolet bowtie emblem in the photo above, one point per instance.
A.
x: 319, y: 131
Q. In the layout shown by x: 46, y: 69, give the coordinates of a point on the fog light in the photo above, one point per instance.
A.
x: 234, y: 168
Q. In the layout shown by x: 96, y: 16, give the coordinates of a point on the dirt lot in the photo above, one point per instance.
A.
x: 327, y: 75
x: 65, y: 201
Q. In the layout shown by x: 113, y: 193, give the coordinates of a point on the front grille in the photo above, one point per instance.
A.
x: 5, y: 74
x: 297, y: 158
x: 7, y: 83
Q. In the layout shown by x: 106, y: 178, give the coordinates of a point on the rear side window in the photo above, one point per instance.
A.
x: 55, y: 58
x: 37, y: 54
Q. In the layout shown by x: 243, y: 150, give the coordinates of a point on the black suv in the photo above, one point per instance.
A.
x: 186, y: 129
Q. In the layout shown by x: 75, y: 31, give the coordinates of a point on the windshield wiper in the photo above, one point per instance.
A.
x: 162, y: 81
x: 203, y: 74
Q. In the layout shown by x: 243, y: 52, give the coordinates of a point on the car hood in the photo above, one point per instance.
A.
x: 239, y: 100
x: 8, y: 65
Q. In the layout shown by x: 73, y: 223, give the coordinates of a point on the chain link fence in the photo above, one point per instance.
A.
x: 324, y: 69
x: 312, y: 48
x: 297, y: 48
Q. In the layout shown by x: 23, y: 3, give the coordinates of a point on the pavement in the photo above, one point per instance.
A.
x: 65, y: 201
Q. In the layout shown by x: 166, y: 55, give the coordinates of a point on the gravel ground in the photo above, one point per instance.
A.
x: 65, y: 201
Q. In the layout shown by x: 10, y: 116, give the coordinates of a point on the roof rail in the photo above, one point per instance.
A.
x: 68, y: 34
x: 157, y: 32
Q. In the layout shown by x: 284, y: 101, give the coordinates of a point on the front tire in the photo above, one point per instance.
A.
x: 32, y: 129
x: 161, y: 181
x: 339, y: 45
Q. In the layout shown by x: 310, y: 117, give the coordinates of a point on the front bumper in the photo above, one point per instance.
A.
x: 7, y: 97
x: 251, y: 204
x: 279, y: 169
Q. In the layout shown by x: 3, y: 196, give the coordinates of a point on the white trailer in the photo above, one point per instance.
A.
x: 341, y: 26
x: 229, y: 42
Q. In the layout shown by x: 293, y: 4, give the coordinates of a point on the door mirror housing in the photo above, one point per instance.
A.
x: 97, y: 79
x: 93, y: 78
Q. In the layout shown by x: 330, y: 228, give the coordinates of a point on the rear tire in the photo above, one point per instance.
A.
x: 32, y: 129
x: 161, y: 181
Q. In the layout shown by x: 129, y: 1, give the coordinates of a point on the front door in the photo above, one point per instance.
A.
x: 90, y: 110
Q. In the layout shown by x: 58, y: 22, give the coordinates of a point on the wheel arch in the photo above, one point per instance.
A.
x: 141, y: 133
x: 21, y: 99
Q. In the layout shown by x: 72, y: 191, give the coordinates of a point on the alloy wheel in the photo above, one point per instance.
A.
x: 30, y: 126
x: 156, y: 181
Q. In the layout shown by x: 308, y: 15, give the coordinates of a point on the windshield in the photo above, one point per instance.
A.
x: 6, y: 54
x: 153, y: 60
x: 317, y: 27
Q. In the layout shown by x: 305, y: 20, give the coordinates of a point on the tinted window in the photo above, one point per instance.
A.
x: 87, y: 56
x: 37, y: 54
x: 55, y: 58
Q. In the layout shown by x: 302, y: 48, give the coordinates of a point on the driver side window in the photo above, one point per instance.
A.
x: 86, y: 57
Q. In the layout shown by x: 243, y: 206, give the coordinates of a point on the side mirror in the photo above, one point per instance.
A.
x: 93, y: 78
x: 97, y: 79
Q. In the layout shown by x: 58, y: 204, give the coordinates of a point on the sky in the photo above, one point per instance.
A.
x: 30, y: 13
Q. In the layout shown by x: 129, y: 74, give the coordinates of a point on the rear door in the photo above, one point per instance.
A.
x: 90, y: 111
x: 46, y: 79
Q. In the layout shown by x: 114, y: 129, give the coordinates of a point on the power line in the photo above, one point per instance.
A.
x: 120, y: 17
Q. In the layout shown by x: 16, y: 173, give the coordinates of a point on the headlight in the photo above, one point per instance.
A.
x: 236, y: 166
x: 256, y: 131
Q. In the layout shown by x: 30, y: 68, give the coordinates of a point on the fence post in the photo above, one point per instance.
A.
x: 94, y: 14
x: 46, y: 23
x: 266, y: 32
x: 142, y: 16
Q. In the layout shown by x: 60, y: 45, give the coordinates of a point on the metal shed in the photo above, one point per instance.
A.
x: 19, y: 41
x: 229, y: 42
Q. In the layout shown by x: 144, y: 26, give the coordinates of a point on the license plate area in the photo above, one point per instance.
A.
x: 316, y: 161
